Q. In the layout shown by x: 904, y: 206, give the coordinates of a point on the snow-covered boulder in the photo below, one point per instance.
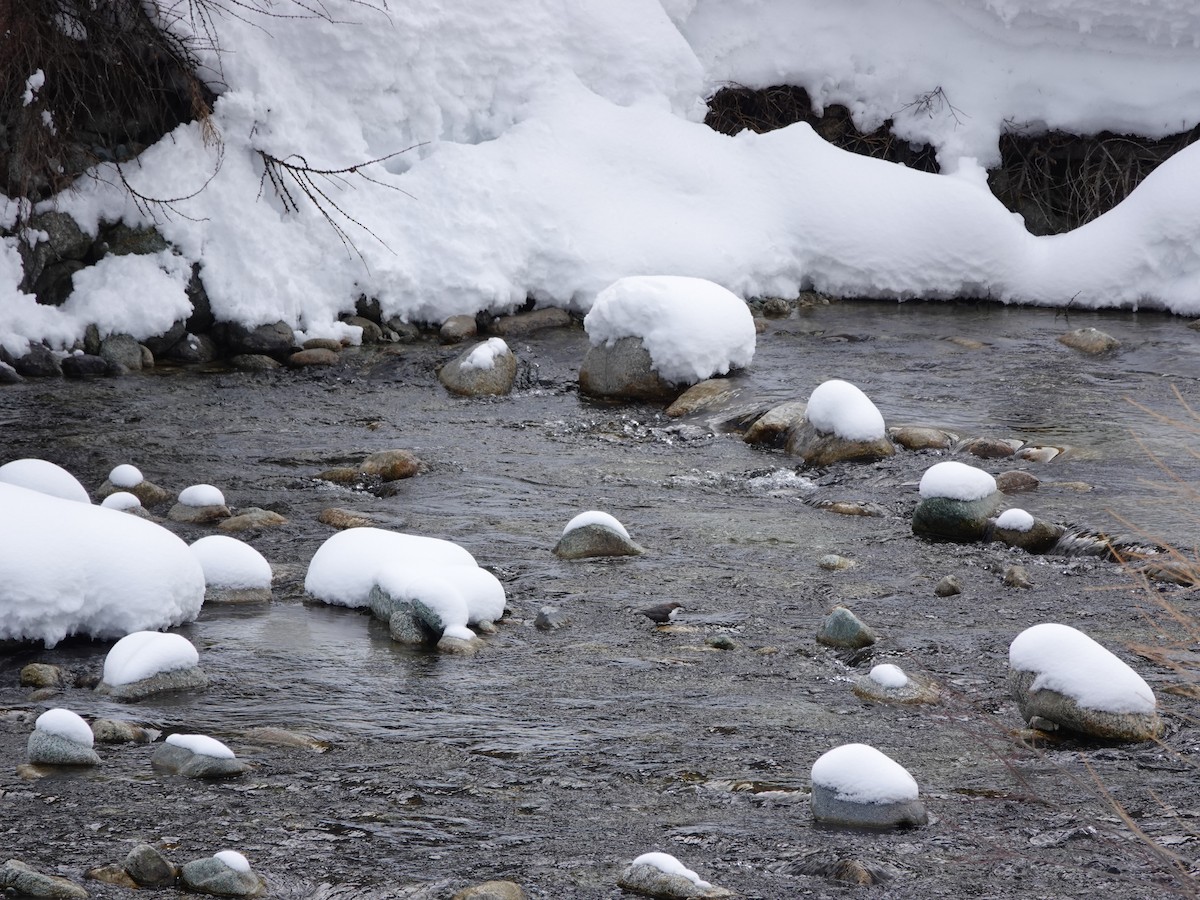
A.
x: 594, y: 533
x: 489, y: 368
x: 840, y: 424
x: 1018, y: 528
x: 1059, y: 675
x: 652, y: 336
x: 199, y: 504
x: 855, y: 784
x: 45, y: 478
x: 224, y: 874
x: 956, y: 502
x: 888, y: 683
x: 149, y: 662
x: 74, y: 568
x: 234, y: 572
x: 196, y: 756
x: 61, y: 738
x: 129, y: 478
x: 662, y: 875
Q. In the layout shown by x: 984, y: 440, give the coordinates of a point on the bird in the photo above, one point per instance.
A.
x: 662, y: 613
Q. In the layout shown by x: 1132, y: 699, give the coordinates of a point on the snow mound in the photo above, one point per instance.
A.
x: 230, y: 563
x: 888, y: 675
x: 65, y: 724
x: 596, y: 517
x: 201, y: 744
x: 838, y: 407
x: 435, y: 589
x: 956, y: 481
x: 125, y: 476
x: 858, y: 773
x: 233, y: 859
x: 1068, y: 661
x: 1015, y: 520
x: 667, y: 863
x: 73, y: 568
x: 201, y: 495
x: 484, y: 355
x: 121, y: 500
x: 44, y: 477
x: 692, y: 328
x: 145, y: 654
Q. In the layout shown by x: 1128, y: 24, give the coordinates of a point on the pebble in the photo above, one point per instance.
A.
x: 469, y: 381
x: 524, y: 323
x: 1038, y: 454
x: 948, y: 587
x: 721, y: 642
x: 254, y: 362
x: 281, y: 737
x: 1016, y: 576
x: 550, y: 618
x: 344, y: 518
x: 112, y: 874
x: 834, y: 563
x: 991, y: 448
x: 842, y: 628
x: 148, y: 866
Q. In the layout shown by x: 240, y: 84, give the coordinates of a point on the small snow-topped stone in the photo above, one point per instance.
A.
x: 1068, y: 661
x: 145, y: 654
x: 889, y: 676
x: 233, y: 859
x: 1015, y: 520
x: 201, y: 495
x: 956, y: 481
x: 665, y: 862
x: 838, y: 407
x: 861, y: 774
x: 65, y: 724
x: 45, y: 478
x: 483, y: 356
x: 121, y: 500
x: 125, y: 476
x: 201, y: 744
x: 228, y: 562
x: 595, y: 517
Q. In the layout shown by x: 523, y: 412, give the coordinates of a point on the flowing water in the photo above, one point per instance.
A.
x: 554, y: 757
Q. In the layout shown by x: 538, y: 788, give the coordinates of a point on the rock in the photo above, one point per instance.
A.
x: 487, y: 369
x: 1016, y: 482
x: 115, y: 731
x: 948, y: 587
x: 944, y: 518
x: 842, y: 628
x: 233, y: 596
x: 1065, y: 712
x: 1038, y: 454
x: 281, y: 737
x: 340, y: 475
x: 213, y: 876
x: 821, y: 449
x: 40, y: 675
x: 623, y: 370
x: 492, y: 890
x: 855, y: 785
x: 112, y: 874
x: 588, y: 541
x: 851, y: 508
x: 371, y: 332
x: 274, y: 340
x: 318, y: 356
x: 1016, y: 576
x: 776, y: 308
x: 39, y: 362
x: 84, y: 365
x: 176, y: 760
x: 772, y: 427
x: 391, y: 465
x: 188, y: 679
x: 834, y: 563
x: 651, y: 881
x: 991, y: 448
x: 845, y: 871
x: 9, y: 375
x: 47, y: 749
x: 121, y: 240
x: 197, y: 515
x: 525, y: 323
x: 252, y: 517
x: 344, y: 518
x: 1089, y: 340
x: 254, y: 362
x: 405, y: 332
x: 1040, y: 537
x: 323, y: 344
x: 704, y: 396
x: 122, y: 350
x: 457, y: 329
x: 550, y: 618
x: 721, y: 642
x: 406, y: 627
x: 25, y: 882
x: 888, y: 684
x: 161, y: 344
x: 148, y: 866
x: 461, y: 646
x: 917, y: 437
x: 193, y: 348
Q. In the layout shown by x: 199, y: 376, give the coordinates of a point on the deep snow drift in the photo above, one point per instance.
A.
x: 557, y: 147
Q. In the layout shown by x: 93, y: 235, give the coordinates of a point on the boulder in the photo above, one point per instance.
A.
x: 457, y: 329
x: 818, y: 448
x: 651, y: 881
x: 842, y: 628
x: 524, y: 323
x: 918, y: 437
x: 193, y: 348
x: 40, y: 675
x: 705, y: 396
x: 391, y: 465
x: 115, y: 731
x: 1040, y: 537
x: 213, y: 876
x: 47, y: 749
x: 254, y: 362
x: 9, y: 375
x: 175, y: 760
x: 944, y: 518
x: 588, y: 541
x: 487, y: 369
x: 1016, y: 482
x: 39, y: 362
x: 623, y: 370
x: 188, y: 679
x: 122, y: 350
x: 84, y: 365
x: 1059, y: 710
x: 317, y: 356
x: 771, y: 429
x: 1092, y: 341
x: 23, y: 881
x: 858, y: 786
x: 149, y: 867
x: 276, y: 339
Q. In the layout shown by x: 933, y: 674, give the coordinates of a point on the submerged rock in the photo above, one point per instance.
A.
x: 704, y: 396
x: 391, y: 465
x: 819, y: 448
x: 1092, y: 341
x: 919, y: 437
x: 115, y: 731
x: 250, y: 518
x: 887, y: 683
x: 492, y: 890
x: 772, y: 427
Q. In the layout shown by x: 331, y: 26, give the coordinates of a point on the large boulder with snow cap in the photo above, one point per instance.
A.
x: 857, y: 785
x: 196, y: 756
x: 234, y: 572
x: 652, y: 336
x: 148, y: 662
x: 62, y: 738
x: 489, y: 368
x: 1061, y: 677
x: 840, y: 424
x: 593, y: 534
x: 957, y: 502
x: 662, y: 875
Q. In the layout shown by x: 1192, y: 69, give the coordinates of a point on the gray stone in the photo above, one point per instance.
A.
x: 121, y: 240
x: 39, y: 362
x: 84, y: 365
x: 721, y: 642
x: 9, y: 375
x: 651, y: 881
x: 954, y: 520
x: 160, y: 344
x: 550, y: 618
x: 917, y: 437
x: 317, y: 356
x: 492, y: 890
x: 991, y: 448
x: 391, y: 465
x: 252, y: 518
x: 231, y: 596
x: 525, y: 323
x: 1041, y: 538
x: 917, y: 690
x: 834, y: 563
x: 771, y: 429
x: 368, y: 308
x: 706, y: 396
x: 175, y: 760
x: 457, y: 329
x: 1066, y: 713
x: 122, y: 350
x: 323, y: 344
x: 112, y: 874
x: 842, y: 628
x: 40, y: 675
x: 371, y: 332
x: 198, y: 515
x: 406, y: 628
x: 595, y: 540
x: 148, y: 866
x: 817, y: 448
x: 406, y: 332
x: 1092, y: 341
x: 25, y: 882
x: 254, y: 362
x: 212, y: 876
x: 1016, y: 576
x: 623, y: 370
x: 498, y: 380
x: 281, y: 737
x: 189, y: 679
x: 193, y: 348
x: 46, y: 749
x: 460, y: 646
x: 827, y: 807
x: 1016, y: 482
x: 344, y: 518
x: 115, y: 731
x: 65, y: 241
x: 948, y: 587
x: 275, y: 339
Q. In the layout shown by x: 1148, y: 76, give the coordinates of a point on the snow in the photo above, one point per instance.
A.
x: 65, y: 724
x: 121, y: 500
x: 73, y: 568
x: 201, y: 495
x: 44, y: 477
x: 434, y: 588
x: 233, y: 859
x: 484, y: 355
x: 692, y: 328
x: 33, y: 84
x: 1068, y: 661
x: 125, y: 476
x: 888, y: 675
x: 956, y: 481
x: 546, y: 150
x: 202, y: 745
x: 858, y: 773
x: 144, y: 654
x: 596, y: 517
x: 1015, y: 520
x: 228, y: 562
x: 665, y: 862
x: 838, y: 407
